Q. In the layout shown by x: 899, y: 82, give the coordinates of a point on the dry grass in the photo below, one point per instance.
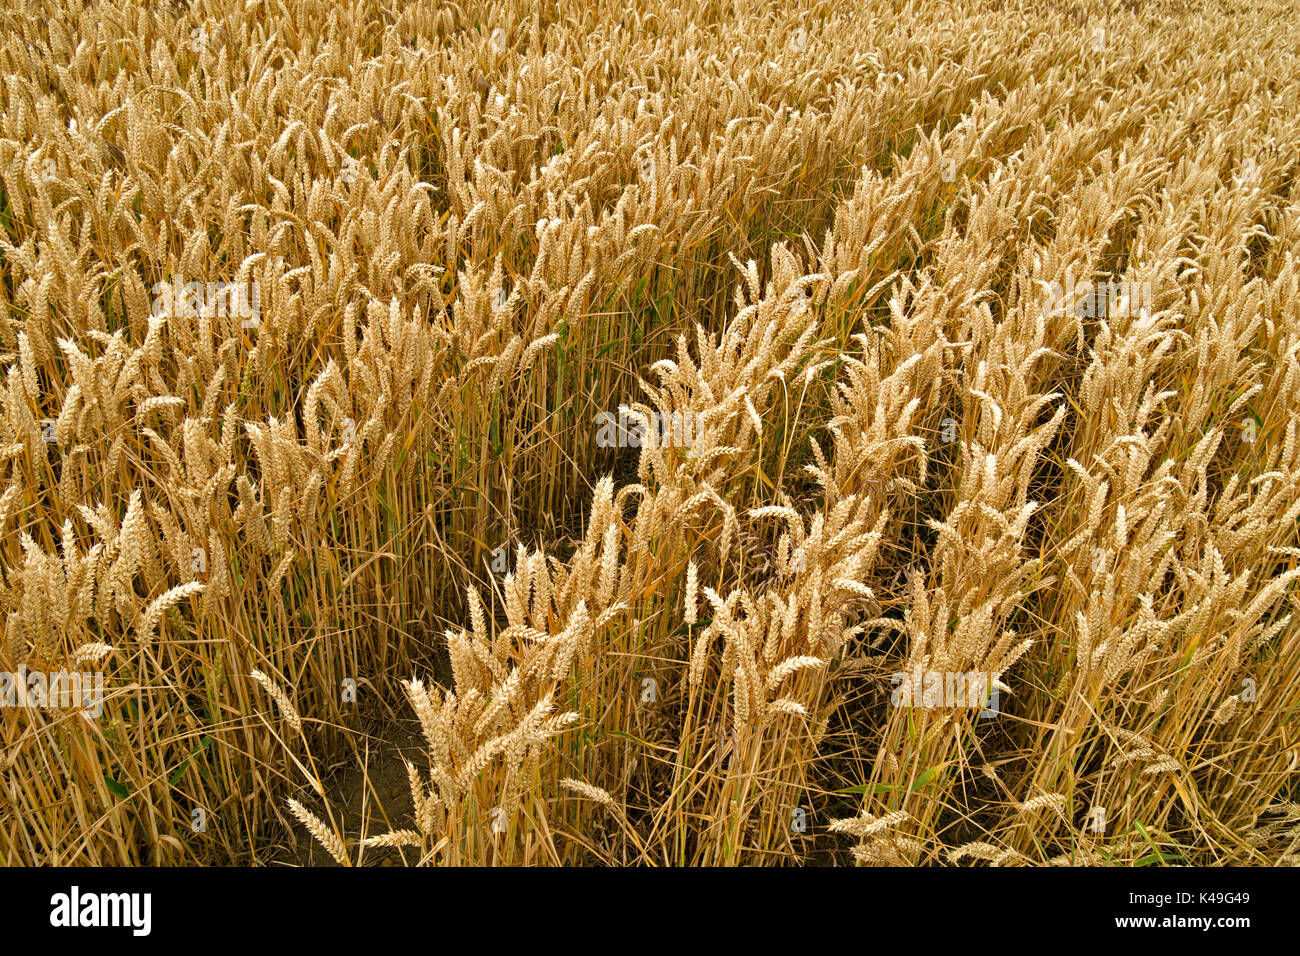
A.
x: 843, y: 250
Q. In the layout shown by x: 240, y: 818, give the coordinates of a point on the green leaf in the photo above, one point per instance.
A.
x: 204, y: 744
x: 627, y: 736
x: 116, y: 788
x: 926, y: 777
x: 869, y: 788
x: 1155, y: 855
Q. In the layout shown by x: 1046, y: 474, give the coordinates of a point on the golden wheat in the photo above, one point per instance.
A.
x: 826, y: 434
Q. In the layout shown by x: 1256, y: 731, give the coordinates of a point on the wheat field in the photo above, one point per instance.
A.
x: 709, y: 433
